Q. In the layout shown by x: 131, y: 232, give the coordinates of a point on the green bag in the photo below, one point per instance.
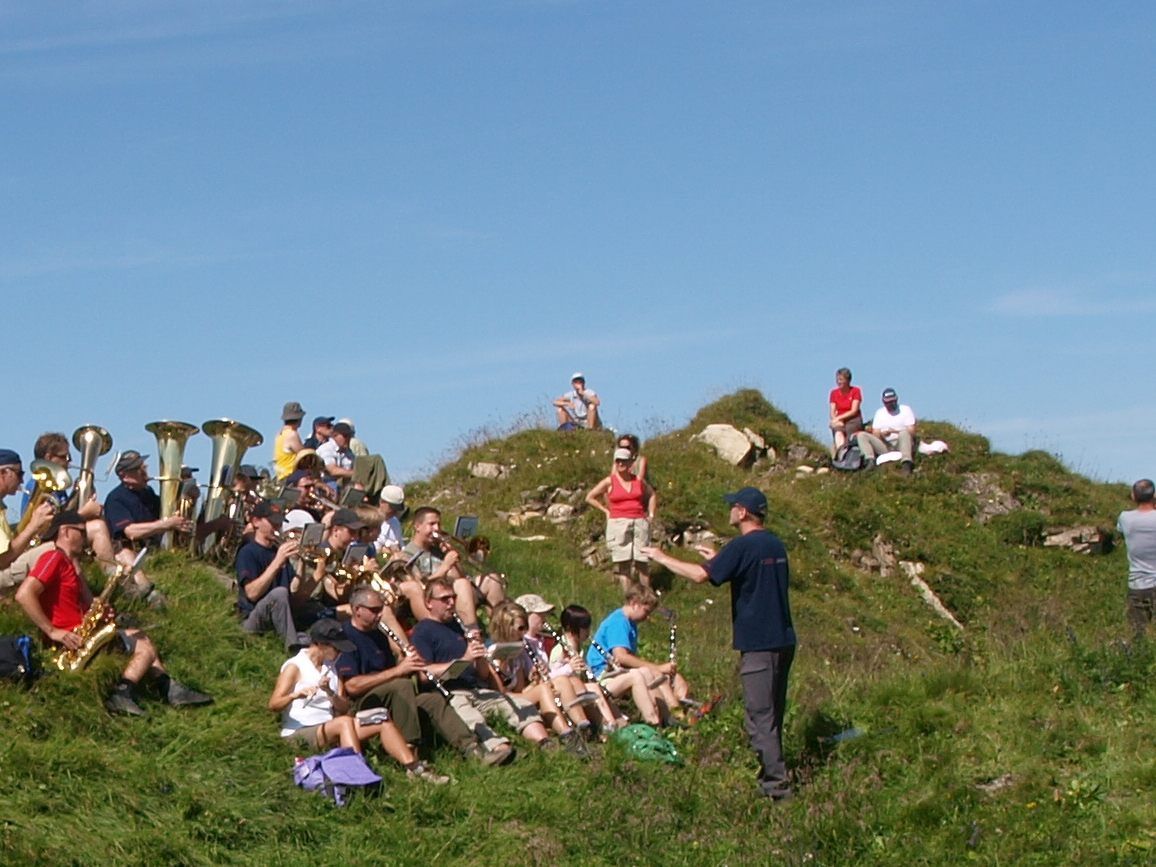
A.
x: 645, y: 742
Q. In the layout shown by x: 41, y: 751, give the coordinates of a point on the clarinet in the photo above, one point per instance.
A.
x: 561, y: 641
x: 673, y: 646
x: 544, y: 676
x: 611, y: 664
x: 407, y: 649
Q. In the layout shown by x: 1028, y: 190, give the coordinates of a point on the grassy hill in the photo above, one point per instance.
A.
x: 1023, y: 737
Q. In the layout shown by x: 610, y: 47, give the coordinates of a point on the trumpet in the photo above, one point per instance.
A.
x: 448, y: 542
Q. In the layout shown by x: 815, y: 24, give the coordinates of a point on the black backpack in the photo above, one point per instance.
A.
x: 848, y: 458
x: 18, y: 662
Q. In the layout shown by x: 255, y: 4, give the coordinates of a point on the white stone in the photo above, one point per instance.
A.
x: 559, y: 512
x: 728, y: 442
x: 487, y: 470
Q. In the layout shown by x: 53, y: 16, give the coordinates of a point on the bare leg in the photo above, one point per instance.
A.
x: 144, y: 657
x: 392, y: 740
x: 413, y: 591
x: 125, y: 557
x: 340, y: 730
x: 465, y: 605
x: 566, y: 692
x: 634, y: 682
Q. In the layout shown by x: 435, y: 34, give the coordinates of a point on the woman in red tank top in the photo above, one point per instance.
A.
x: 629, y: 504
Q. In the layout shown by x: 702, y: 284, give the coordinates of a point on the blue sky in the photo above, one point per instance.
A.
x: 425, y: 215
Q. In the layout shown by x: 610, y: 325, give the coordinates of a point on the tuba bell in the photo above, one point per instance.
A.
x: 172, y: 436
x: 91, y: 441
x: 230, y: 441
x: 51, y: 479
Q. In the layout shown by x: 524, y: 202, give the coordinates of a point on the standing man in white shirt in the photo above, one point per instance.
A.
x: 892, y: 429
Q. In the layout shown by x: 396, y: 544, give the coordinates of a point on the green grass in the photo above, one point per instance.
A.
x: 1042, y: 689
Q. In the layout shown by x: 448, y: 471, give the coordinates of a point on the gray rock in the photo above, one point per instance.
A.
x: 559, y: 513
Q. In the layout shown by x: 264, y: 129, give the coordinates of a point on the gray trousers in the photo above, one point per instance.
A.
x: 764, y: 676
x: 872, y: 447
x: 274, y: 612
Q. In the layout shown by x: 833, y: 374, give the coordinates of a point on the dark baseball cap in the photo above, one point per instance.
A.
x: 343, y: 429
x: 248, y: 471
x: 751, y: 499
x: 347, y: 518
x: 69, y: 518
x: 329, y: 631
x: 268, y: 509
x: 9, y: 458
x: 889, y: 394
x: 129, y: 460
x: 323, y: 419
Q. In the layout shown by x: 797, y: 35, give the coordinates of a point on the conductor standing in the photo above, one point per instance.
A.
x: 755, y: 566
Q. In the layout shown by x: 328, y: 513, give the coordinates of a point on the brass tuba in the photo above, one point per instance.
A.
x: 51, y: 479
x: 171, y: 439
x: 230, y: 441
x: 91, y: 441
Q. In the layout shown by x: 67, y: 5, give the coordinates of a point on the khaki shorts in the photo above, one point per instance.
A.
x: 309, y: 736
x: 626, y: 537
x: 12, y: 577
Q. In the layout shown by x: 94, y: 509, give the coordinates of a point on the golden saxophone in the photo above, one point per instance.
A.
x: 99, y: 624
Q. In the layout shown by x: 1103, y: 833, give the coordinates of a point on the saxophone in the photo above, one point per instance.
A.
x: 99, y: 624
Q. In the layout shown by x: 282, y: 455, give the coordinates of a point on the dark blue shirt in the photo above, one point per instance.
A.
x: 755, y: 565
x: 373, y: 653
x: 252, y: 561
x: 125, y: 506
x: 443, y: 642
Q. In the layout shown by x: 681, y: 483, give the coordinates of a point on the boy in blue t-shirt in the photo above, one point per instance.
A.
x: 617, y: 635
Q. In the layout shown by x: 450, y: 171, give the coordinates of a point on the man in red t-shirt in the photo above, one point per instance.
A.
x: 55, y: 597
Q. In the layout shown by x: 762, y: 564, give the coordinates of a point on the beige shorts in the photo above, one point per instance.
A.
x: 626, y: 537
x: 12, y: 577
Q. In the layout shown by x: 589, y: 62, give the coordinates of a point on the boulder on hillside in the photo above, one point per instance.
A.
x: 487, y: 470
x: 731, y: 444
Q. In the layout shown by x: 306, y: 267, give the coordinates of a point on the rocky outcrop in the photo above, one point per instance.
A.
x: 1082, y: 540
x: 991, y: 498
x: 487, y: 470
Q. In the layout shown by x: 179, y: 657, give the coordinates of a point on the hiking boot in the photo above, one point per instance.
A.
x: 907, y: 468
x: 179, y: 695
x: 422, y: 771
x: 502, y: 754
x: 156, y: 600
x: 572, y: 742
x: 868, y: 464
x: 121, y: 702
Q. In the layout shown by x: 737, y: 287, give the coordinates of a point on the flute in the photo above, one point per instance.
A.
x: 407, y: 649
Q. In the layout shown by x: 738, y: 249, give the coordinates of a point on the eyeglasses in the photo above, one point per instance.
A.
x: 376, y: 609
x: 444, y: 598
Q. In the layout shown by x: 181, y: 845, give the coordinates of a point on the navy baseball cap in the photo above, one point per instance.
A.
x: 9, y: 458
x: 889, y: 394
x: 751, y: 499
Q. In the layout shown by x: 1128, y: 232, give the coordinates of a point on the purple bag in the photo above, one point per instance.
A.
x: 336, y: 774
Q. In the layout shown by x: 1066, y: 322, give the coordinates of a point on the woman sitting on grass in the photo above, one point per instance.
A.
x: 566, y: 661
x: 314, y: 708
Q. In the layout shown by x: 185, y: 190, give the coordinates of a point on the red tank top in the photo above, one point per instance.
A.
x: 624, y: 503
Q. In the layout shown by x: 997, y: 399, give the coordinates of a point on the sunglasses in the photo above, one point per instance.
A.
x: 376, y: 609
